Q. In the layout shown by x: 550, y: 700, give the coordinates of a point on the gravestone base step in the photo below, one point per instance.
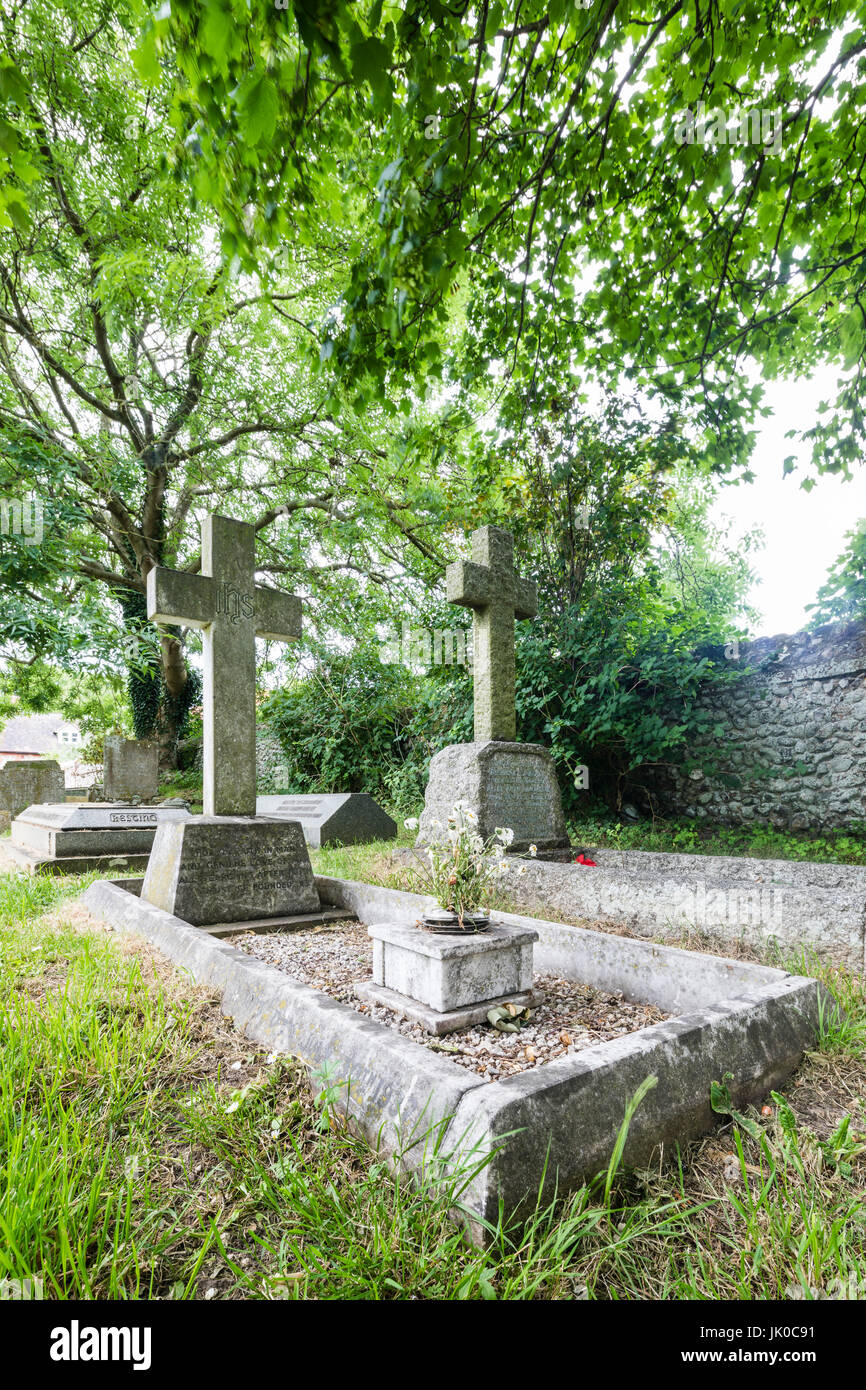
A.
x: 298, y: 922
x: 452, y: 1020
x: 213, y: 870
x: 108, y: 865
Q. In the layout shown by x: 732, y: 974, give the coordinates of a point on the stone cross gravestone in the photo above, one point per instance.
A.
x: 130, y: 768
x: 228, y: 865
x: 503, y: 782
x: 491, y: 587
x: 232, y: 610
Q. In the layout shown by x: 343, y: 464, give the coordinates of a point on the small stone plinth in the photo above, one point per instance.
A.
x: 445, y: 982
x: 222, y: 869
x: 504, y: 784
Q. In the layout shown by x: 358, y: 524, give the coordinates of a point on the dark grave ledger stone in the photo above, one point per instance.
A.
x: 345, y: 818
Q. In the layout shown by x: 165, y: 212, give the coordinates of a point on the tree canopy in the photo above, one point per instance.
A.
x: 535, y: 158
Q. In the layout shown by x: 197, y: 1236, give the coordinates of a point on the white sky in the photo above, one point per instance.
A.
x: 804, y: 531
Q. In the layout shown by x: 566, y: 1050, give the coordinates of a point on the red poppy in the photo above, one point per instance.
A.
x: 584, y: 859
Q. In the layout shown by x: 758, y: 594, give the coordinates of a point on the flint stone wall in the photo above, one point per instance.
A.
x: 794, y: 751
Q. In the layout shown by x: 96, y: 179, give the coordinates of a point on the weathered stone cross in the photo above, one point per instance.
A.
x: 225, y: 601
x: 490, y: 586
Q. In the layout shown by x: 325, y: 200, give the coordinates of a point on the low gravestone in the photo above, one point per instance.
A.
x: 503, y: 782
x: 76, y: 839
x: 130, y: 769
x: 25, y: 783
x: 766, y: 903
x: 347, y: 818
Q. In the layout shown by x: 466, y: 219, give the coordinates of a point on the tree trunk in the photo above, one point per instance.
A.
x: 171, y: 709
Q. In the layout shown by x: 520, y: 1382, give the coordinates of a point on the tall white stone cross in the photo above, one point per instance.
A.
x: 232, y: 609
x: 490, y: 586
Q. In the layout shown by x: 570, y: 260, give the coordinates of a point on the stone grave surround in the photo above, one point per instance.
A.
x: 555, y: 1124
x: 504, y: 782
x: 130, y: 768
x: 26, y: 782
x: 347, y: 818
x: 228, y: 865
x: 728, y: 899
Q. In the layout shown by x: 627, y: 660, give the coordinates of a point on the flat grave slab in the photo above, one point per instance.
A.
x: 552, y: 1126
x: 346, y: 818
x: 74, y: 838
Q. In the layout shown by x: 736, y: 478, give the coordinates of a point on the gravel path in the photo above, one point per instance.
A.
x: 573, y: 1016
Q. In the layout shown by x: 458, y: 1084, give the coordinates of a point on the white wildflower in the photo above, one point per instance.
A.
x: 533, y: 850
x: 411, y: 822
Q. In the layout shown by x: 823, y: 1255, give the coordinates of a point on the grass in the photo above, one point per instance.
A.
x: 147, y: 1150
x: 757, y: 841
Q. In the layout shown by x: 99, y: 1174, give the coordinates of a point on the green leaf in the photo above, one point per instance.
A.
x: 257, y: 106
x: 215, y: 31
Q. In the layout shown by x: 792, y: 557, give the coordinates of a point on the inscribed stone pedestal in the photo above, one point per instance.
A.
x: 345, y: 818
x: 210, y: 869
x: 130, y: 768
x: 232, y: 610
x: 26, y: 782
x: 505, y: 784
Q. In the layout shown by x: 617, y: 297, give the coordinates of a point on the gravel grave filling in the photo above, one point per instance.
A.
x: 571, y: 1017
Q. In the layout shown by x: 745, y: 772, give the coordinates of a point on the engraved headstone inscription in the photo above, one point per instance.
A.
x: 230, y: 869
